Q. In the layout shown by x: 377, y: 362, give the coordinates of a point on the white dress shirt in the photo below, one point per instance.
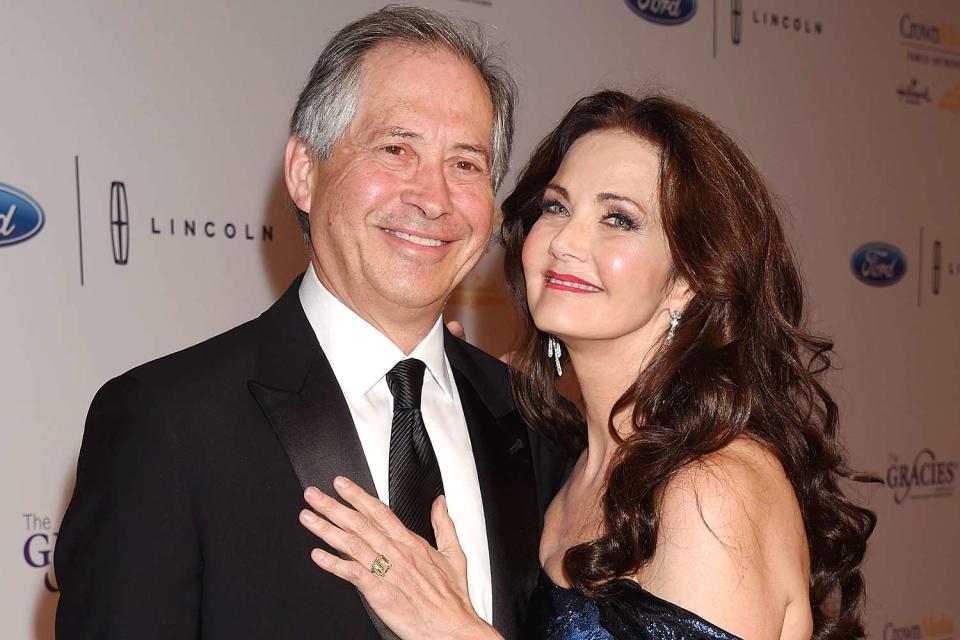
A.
x: 360, y: 357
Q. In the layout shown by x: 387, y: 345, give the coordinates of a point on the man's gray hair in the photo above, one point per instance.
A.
x: 329, y: 101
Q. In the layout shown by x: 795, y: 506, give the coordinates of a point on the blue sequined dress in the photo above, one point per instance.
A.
x: 631, y: 613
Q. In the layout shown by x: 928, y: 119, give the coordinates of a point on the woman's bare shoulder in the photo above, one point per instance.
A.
x: 731, y: 541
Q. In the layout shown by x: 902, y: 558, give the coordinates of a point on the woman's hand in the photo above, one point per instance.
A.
x: 423, y: 594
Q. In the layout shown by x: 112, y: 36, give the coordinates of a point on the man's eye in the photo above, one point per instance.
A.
x: 393, y: 149
x: 620, y: 221
x: 464, y: 165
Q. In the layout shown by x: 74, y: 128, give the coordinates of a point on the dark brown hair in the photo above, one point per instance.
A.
x: 742, y: 364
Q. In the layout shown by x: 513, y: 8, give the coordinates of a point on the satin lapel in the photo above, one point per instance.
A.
x: 299, y: 395
x: 501, y: 450
x: 316, y: 430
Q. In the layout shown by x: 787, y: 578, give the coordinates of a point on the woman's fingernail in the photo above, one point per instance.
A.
x: 308, y: 516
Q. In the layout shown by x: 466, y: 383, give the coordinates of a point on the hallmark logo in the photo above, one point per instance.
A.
x: 926, y: 477
x: 913, y: 94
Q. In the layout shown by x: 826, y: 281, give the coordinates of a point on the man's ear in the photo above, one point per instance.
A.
x: 297, y: 171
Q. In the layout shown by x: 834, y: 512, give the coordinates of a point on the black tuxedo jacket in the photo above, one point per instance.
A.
x: 183, y: 523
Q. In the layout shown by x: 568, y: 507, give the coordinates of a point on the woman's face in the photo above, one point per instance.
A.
x: 596, y: 262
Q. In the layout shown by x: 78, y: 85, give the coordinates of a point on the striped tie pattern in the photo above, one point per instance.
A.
x: 414, y: 474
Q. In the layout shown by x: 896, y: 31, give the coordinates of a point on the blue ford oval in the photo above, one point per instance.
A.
x: 21, y: 217
x: 667, y: 12
x: 878, y: 264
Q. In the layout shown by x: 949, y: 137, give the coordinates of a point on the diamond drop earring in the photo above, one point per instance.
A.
x: 674, y: 321
x: 554, y: 351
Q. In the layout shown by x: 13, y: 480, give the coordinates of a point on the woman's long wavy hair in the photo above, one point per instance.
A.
x: 741, y: 365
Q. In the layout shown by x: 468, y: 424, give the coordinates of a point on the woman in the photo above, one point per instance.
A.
x: 644, y: 253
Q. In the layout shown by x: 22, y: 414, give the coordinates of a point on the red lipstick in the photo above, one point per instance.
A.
x: 569, y: 282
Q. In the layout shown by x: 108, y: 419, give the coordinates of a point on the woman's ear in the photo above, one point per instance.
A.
x: 679, y: 294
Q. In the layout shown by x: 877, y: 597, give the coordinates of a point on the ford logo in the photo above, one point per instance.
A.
x: 664, y: 11
x: 878, y: 264
x: 21, y: 217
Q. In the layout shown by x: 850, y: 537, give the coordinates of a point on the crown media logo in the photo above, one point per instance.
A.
x: 929, y: 627
x: 878, y: 264
x: 665, y: 12
x: 21, y: 217
x: 930, y: 42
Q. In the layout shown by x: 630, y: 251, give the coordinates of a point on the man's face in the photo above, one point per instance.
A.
x: 403, y: 208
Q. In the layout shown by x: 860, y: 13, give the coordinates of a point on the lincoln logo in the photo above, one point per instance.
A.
x: 936, y: 268
x: 119, y: 223
x: 736, y: 20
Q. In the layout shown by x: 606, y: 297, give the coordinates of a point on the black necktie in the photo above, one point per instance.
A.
x: 415, y: 480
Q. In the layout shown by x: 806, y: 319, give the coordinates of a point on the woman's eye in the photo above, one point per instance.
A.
x: 393, y: 149
x: 552, y: 206
x: 464, y: 165
x: 619, y: 220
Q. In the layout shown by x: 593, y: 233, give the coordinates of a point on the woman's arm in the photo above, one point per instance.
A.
x: 423, y: 593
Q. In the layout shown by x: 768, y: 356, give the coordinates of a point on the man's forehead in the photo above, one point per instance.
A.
x: 410, y: 76
x: 400, y: 100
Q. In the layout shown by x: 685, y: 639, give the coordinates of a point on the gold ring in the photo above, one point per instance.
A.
x: 380, y: 566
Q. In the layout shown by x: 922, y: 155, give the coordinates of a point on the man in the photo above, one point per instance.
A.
x: 184, y: 521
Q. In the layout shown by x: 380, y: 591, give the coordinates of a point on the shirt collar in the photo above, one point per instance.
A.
x: 359, y: 354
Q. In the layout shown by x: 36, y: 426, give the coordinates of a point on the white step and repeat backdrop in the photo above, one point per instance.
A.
x: 142, y: 210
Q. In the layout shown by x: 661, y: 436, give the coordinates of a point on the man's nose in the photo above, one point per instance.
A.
x: 429, y: 191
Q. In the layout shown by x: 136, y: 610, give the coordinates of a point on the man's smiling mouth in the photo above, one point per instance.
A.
x: 415, y: 239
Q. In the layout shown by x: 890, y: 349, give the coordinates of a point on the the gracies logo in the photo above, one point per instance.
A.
x: 927, y: 477
x: 667, y: 12
x: 21, y: 217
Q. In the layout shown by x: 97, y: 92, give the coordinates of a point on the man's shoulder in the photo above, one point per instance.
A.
x: 232, y: 351
x: 227, y: 357
x: 489, y: 376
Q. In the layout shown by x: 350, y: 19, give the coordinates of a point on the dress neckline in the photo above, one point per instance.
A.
x: 634, y: 586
